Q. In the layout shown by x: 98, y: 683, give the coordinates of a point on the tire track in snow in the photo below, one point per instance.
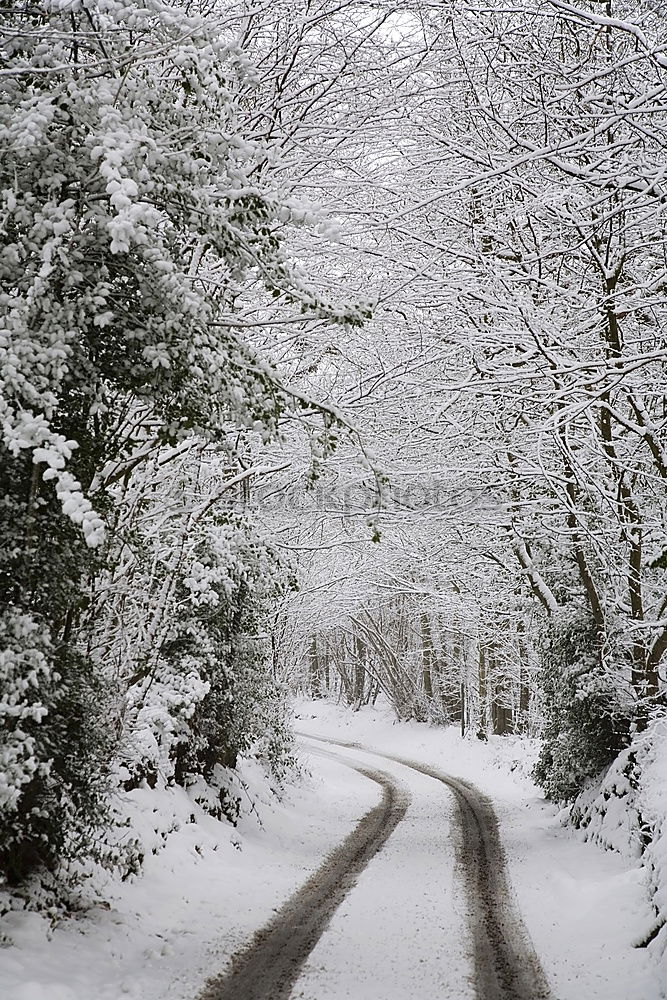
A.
x: 506, y: 965
x: 270, y: 965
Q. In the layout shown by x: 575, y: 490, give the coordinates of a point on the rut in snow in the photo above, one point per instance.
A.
x: 506, y: 965
x: 268, y: 968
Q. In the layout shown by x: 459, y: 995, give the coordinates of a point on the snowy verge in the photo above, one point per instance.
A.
x: 626, y: 811
x: 204, y: 889
x: 585, y: 907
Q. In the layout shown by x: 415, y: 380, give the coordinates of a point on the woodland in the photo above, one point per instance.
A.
x: 332, y: 361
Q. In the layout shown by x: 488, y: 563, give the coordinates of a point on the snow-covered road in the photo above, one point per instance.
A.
x: 450, y: 842
x: 268, y: 968
x: 403, y: 931
x: 584, y: 909
x: 430, y: 915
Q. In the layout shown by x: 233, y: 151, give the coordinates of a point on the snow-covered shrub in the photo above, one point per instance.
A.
x: 205, y: 694
x: 24, y: 669
x: 586, y: 720
x: 53, y: 750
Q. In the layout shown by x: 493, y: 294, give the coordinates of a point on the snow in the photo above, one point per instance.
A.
x: 584, y: 907
x: 199, y: 899
x: 400, y: 932
x: 627, y: 812
x: 655, y: 806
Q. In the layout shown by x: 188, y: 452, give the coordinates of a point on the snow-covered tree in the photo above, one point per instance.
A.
x: 134, y: 209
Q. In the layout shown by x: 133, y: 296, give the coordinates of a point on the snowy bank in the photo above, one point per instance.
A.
x: 627, y: 812
x: 204, y: 889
